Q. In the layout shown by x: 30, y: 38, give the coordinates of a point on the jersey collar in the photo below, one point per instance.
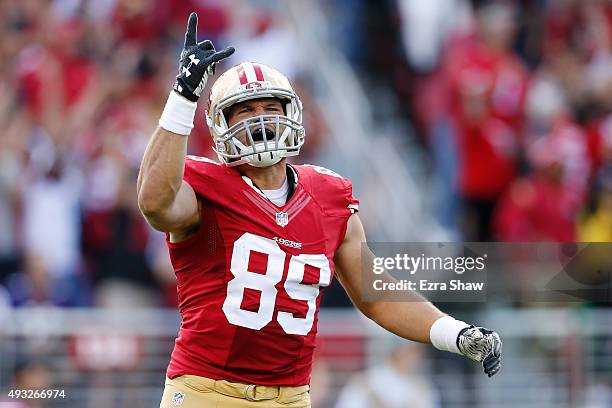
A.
x: 292, y: 181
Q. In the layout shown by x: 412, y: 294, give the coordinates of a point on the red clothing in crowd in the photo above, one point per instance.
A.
x: 499, y: 77
x: 42, y: 71
x: 487, y: 89
x: 537, y: 209
x: 487, y: 159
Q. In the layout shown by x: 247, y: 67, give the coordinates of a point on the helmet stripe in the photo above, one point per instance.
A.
x: 249, y: 70
x: 258, y: 72
x: 242, y: 75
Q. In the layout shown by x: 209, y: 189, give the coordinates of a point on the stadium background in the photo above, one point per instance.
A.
x: 457, y: 120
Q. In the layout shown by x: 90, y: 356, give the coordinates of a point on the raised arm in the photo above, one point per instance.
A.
x: 416, y: 319
x: 168, y: 203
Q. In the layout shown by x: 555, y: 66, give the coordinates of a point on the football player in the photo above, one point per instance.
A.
x: 255, y: 241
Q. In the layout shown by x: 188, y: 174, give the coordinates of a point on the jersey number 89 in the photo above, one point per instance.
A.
x: 266, y: 284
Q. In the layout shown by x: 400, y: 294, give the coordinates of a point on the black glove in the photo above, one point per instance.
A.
x: 197, y: 62
x: 482, y: 345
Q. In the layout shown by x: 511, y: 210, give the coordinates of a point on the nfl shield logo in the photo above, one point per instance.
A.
x: 178, y: 398
x: 282, y: 218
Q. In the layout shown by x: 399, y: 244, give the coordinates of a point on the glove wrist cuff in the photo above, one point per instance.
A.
x: 178, y: 114
x: 181, y: 88
x: 444, y: 333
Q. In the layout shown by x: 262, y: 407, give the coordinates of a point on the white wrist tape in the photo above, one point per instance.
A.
x: 444, y: 333
x: 178, y: 114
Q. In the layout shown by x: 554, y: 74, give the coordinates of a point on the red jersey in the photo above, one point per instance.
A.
x: 250, y: 280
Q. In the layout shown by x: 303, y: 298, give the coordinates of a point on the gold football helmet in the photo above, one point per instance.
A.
x: 277, y: 136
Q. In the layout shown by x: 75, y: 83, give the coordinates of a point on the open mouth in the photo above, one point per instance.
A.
x: 259, y: 135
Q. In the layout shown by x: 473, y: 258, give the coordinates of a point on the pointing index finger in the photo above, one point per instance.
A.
x: 192, y: 29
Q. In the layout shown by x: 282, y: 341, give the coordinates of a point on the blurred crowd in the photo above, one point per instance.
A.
x: 512, y: 100
x: 83, y: 83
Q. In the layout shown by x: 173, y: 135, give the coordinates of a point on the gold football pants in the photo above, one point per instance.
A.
x: 190, y: 391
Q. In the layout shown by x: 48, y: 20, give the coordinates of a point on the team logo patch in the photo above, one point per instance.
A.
x: 178, y: 398
x: 253, y: 85
x: 282, y: 218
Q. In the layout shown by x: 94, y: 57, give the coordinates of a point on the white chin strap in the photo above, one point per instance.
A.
x: 263, y: 159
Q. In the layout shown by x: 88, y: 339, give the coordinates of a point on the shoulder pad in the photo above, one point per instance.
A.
x: 330, y: 190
